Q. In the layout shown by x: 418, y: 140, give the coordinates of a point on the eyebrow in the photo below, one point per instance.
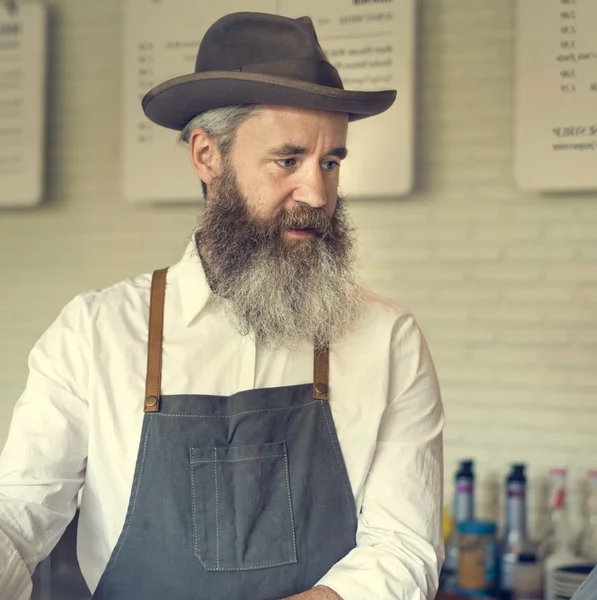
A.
x: 289, y: 149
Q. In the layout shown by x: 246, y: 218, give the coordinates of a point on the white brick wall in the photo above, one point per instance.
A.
x: 504, y: 283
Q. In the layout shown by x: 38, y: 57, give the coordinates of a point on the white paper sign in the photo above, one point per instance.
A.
x: 22, y: 103
x: 371, y: 44
x: 556, y: 95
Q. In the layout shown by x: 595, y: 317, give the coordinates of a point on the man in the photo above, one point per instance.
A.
x: 249, y: 424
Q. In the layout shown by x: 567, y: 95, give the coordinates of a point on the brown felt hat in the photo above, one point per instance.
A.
x: 258, y: 58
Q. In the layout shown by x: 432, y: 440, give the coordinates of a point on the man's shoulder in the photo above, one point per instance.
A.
x: 131, y: 289
x: 385, y: 326
x: 135, y: 290
x: 112, y: 303
x: 385, y: 320
x: 383, y: 310
x: 105, y: 309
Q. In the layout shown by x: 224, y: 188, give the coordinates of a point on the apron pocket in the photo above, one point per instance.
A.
x: 242, y: 509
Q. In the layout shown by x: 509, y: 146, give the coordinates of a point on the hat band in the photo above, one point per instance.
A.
x: 316, y: 71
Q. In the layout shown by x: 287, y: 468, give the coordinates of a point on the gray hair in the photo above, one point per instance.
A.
x: 220, y: 124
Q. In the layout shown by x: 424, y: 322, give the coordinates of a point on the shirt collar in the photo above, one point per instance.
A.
x: 192, y: 283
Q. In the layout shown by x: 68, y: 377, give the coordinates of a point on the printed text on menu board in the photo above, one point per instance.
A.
x: 22, y: 77
x: 556, y: 96
x: 577, y: 66
x: 150, y: 72
x: 11, y: 97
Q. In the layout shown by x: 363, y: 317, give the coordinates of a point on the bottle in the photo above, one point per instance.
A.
x: 477, y: 558
x: 527, y: 582
x: 559, y: 545
x: 587, y: 541
x: 464, y: 510
x: 515, y: 539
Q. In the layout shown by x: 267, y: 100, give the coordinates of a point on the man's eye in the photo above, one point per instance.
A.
x: 330, y: 165
x: 286, y: 163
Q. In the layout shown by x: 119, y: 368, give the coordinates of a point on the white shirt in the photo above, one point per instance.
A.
x: 79, y: 422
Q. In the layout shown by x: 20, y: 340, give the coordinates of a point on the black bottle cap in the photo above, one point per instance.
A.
x: 465, y: 471
x: 527, y: 558
x: 517, y: 473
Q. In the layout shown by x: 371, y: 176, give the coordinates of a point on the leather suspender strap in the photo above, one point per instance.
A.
x: 321, y: 373
x: 154, y: 342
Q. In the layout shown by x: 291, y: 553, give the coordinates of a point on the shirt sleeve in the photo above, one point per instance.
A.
x: 400, y: 549
x: 43, y: 462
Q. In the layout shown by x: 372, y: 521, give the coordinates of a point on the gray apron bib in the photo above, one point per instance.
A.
x: 234, y: 498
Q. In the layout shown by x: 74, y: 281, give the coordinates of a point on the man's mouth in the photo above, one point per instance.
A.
x: 300, y: 233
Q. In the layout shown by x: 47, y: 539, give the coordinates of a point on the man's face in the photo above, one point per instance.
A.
x: 285, y: 157
x: 276, y: 242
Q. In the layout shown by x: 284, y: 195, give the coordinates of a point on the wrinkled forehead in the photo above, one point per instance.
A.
x: 275, y: 126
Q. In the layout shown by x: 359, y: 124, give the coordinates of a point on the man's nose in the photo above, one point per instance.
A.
x: 311, y: 188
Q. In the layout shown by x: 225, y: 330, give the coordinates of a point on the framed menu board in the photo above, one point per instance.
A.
x: 22, y: 103
x: 371, y: 45
x: 556, y: 95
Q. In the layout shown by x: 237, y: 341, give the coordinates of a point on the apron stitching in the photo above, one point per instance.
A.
x: 195, y: 540
x: 125, y: 532
x: 217, y: 520
x: 290, y: 503
x: 255, y: 567
x: 336, y: 454
x: 195, y: 534
x: 208, y: 460
x: 246, y: 412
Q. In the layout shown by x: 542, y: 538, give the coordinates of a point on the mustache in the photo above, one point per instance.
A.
x: 303, y: 217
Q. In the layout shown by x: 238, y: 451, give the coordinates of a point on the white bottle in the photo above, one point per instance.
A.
x: 586, y: 545
x: 560, y: 544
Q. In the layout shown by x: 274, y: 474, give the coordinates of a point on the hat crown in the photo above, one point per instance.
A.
x: 248, y: 38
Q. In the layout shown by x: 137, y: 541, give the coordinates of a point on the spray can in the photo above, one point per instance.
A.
x: 515, y: 539
x: 464, y: 511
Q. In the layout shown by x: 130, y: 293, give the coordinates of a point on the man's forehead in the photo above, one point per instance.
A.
x: 277, y: 127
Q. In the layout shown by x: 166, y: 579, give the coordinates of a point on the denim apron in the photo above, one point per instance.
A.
x: 244, y: 497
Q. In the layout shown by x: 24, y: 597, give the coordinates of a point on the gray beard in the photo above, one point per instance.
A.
x: 284, y: 293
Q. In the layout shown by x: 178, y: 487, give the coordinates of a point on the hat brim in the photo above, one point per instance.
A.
x: 174, y: 103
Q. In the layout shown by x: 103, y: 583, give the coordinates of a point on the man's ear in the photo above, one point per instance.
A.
x: 205, y: 155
